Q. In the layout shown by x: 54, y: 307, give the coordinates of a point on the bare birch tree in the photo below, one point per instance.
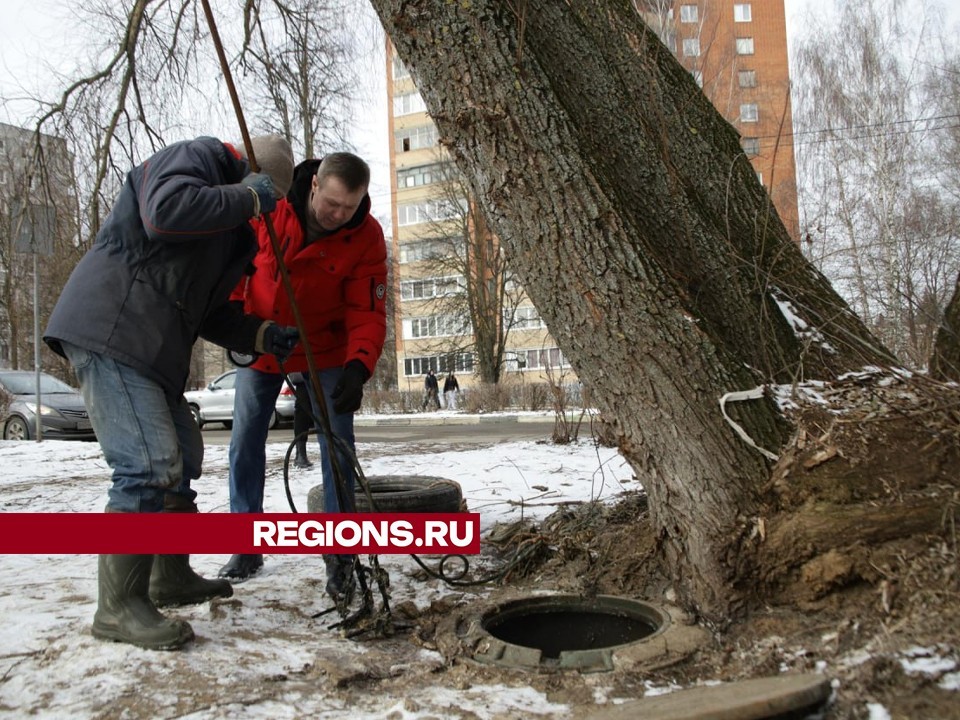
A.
x: 877, y: 219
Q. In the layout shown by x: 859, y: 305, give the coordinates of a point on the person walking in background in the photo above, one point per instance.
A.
x: 450, y: 389
x: 158, y: 275
x: 336, y: 258
x: 431, y: 394
x: 302, y: 420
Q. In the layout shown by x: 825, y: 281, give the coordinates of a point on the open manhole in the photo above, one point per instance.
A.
x: 567, y: 631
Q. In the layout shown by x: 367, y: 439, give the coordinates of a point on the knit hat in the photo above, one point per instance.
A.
x: 275, y: 158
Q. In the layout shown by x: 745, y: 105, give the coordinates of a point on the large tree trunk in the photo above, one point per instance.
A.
x: 641, y: 233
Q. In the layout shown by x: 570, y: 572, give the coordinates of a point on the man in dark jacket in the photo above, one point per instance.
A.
x: 431, y: 393
x: 158, y: 276
x: 336, y: 257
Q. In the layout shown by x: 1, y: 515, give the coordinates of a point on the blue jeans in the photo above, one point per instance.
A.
x: 255, y: 397
x: 149, y: 440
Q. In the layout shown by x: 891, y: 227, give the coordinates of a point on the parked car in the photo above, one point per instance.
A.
x: 215, y: 403
x: 63, y: 415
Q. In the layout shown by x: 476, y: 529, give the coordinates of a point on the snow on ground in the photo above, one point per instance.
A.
x: 259, y: 654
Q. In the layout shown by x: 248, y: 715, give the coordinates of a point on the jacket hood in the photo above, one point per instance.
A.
x: 300, y: 193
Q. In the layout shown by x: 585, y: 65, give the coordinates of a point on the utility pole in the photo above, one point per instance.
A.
x: 34, y: 235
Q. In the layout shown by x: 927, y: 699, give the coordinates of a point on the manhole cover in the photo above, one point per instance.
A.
x: 567, y: 631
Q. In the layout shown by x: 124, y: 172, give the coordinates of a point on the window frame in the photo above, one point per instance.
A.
x: 694, y: 45
x: 749, y: 112
x: 685, y: 13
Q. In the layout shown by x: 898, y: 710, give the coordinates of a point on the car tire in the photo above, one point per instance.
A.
x: 195, y: 411
x: 399, y: 494
x: 274, y: 419
x: 228, y: 424
x: 16, y: 429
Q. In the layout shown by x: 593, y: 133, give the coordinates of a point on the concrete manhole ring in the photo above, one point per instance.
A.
x: 589, y: 634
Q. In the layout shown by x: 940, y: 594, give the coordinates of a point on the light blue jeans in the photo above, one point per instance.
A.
x: 149, y: 439
x: 254, y: 399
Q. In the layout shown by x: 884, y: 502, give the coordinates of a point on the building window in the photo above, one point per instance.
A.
x: 539, y: 359
x: 399, y: 69
x: 745, y: 46
x: 749, y: 112
x: 457, y: 362
x: 420, y: 175
x: 434, y: 326
x: 688, y: 13
x: 431, y: 287
x: 430, y: 211
x: 670, y: 40
x: 416, y: 138
x: 408, y: 103
x: 697, y: 77
x: 527, y: 318
x: 691, y: 47
x: 429, y: 249
x: 742, y: 12
x: 751, y: 146
x: 748, y: 78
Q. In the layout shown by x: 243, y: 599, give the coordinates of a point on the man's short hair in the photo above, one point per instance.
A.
x: 350, y: 169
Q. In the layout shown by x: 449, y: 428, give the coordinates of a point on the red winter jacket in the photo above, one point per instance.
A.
x: 339, y: 282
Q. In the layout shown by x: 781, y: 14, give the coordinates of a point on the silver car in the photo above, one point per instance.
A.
x: 215, y: 403
x: 63, y: 415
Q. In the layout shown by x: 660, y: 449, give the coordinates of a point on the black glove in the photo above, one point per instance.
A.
x: 265, y: 198
x: 280, y: 340
x: 348, y: 393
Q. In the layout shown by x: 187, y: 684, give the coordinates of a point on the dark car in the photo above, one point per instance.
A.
x: 63, y: 416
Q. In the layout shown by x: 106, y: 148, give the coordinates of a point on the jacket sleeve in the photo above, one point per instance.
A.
x: 184, y: 192
x: 228, y: 326
x: 365, y: 296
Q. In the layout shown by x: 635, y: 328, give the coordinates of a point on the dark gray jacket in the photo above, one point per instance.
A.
x: 162, y: 267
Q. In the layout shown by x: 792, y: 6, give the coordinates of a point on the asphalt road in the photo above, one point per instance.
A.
x: 488, y: 432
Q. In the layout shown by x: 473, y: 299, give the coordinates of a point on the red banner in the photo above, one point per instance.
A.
x: 230, y: 533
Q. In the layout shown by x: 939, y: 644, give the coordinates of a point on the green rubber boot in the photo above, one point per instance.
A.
x: 173, y: 582
x: 124, y: 610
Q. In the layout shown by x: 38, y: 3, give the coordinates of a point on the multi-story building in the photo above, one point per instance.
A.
x: 737, y: 52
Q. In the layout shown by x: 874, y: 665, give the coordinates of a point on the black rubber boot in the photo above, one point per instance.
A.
x: 301, y: 460
x: 173, y: 582
x: 341, y: 582
x: 241, y: 567
x: 124, y: 610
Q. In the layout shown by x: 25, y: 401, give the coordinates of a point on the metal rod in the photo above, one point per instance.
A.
x: 281, y: 265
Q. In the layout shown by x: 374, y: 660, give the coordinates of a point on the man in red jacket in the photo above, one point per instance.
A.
x: 337, y: 261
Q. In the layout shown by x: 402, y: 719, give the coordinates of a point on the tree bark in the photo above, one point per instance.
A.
x: 641, y: 233
x: 945, y: 358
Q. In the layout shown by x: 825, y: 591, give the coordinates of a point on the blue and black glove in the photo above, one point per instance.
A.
x: 264, y: 194
x: 348, y: 392
x: 279, y: 340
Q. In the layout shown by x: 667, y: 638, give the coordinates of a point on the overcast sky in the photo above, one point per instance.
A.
x: 38, y: 34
